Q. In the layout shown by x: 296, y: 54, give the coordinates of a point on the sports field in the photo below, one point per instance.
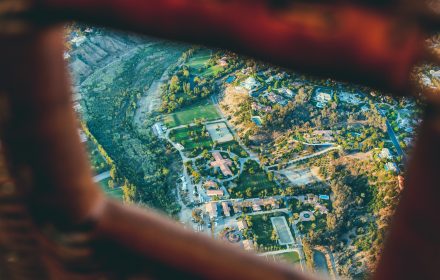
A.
x: 199, y: 59
x: 190, y: 138
x: 289, y: 257
x: 283, y: 230
x: 219, y: 132
x: 200, y: 110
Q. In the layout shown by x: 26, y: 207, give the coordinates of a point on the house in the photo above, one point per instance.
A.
x: 272, y: 202
x: 78, y: 40
x: 435, y: 74
x: 286, y: 91
x: 311, y: 198
x: 350, y: 98
x: 274, y: 98
x: 222, y: 163
x: 237, y: 208
x: 211, y: 209
x: 242, y: 224
x: 218, y: 192
x: 322, y: 98
x: 211, y: 184
x: 250, y: 83
x: 184, y: 184
x: 77, y: 107
x: 256, y: 206
x: 321, y: 208
x: 391, y: 166
x: 248, y: 245
x: 401, y: 180
x: 426, y: 80
x: 82, y: 136
x: 385, y: 154
x: 226, y: 210
x: 222, y: 62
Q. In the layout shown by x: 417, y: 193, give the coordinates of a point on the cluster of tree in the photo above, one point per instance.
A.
x: 140, y: 161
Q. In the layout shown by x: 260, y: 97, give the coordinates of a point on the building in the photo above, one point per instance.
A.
x: 322, y: 98
x: 82, y: 136
x: 350, y: 98
x: 256, y: 206
x: 211, y: 209
x: 184, y: 184
x: 242, y: 224
x: 226, y: 210
x: 211, y: 184
x: 222, y: 163
x: 237, y: 208
x: 286, y: 92
x: 272, y: 202
x: 391, y: 166
x: 218, y: 192
x: 250, y: 83
x: 276, y: 98
x: 435, y: 74
x: 222, y: 62
x: 248, y: 245
x: 385, y: 154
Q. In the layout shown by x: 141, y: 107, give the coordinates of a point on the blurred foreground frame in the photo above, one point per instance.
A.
x: 56, y: 224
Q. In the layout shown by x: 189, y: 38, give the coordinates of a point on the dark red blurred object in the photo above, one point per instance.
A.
x: 56, y: 224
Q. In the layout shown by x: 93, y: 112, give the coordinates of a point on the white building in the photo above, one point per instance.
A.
x: 250, y: 83
x: 385, y: 154
x: 391, y: 166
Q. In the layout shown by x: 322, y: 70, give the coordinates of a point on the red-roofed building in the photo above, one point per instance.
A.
x: 222, y: 163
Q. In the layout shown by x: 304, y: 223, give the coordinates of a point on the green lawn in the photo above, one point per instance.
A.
x: 97, y: 161
x: 262, y: 228
x: 255, y: 179
x: 234, y: 147
x: 200, y: 110
x: 199, y: 59
x: 290, y: 257
x: 212, y: 71
x: 114, y: 193
x: 188, y: 141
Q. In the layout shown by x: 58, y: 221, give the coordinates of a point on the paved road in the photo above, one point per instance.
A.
x: 394, y: 140
x: 392, y: 135
x: 306, y: 157
x: 102, y: 176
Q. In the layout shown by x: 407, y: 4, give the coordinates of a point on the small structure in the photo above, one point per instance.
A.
x: 222, y: 163
x: 211, y: 209
x: 179, y: 147
x: 184, y: 184
x: 286, y: 92
x: 322, y: 98
x: 242, y: 224
x: 385, y: 154
x: 391, y: 166
x: 256, y: 206
x: 211, y: 184
x: 248, y: 245
x: 274, y: 98
x: 250, y: 83
x: 218, y: 192
x: 311, y: 198
x: 237, y: 208
x: 226, y: 210
x: 350, y: 98
x: 82, y: 136
x: 222, y: 62
x: 272, y: 202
